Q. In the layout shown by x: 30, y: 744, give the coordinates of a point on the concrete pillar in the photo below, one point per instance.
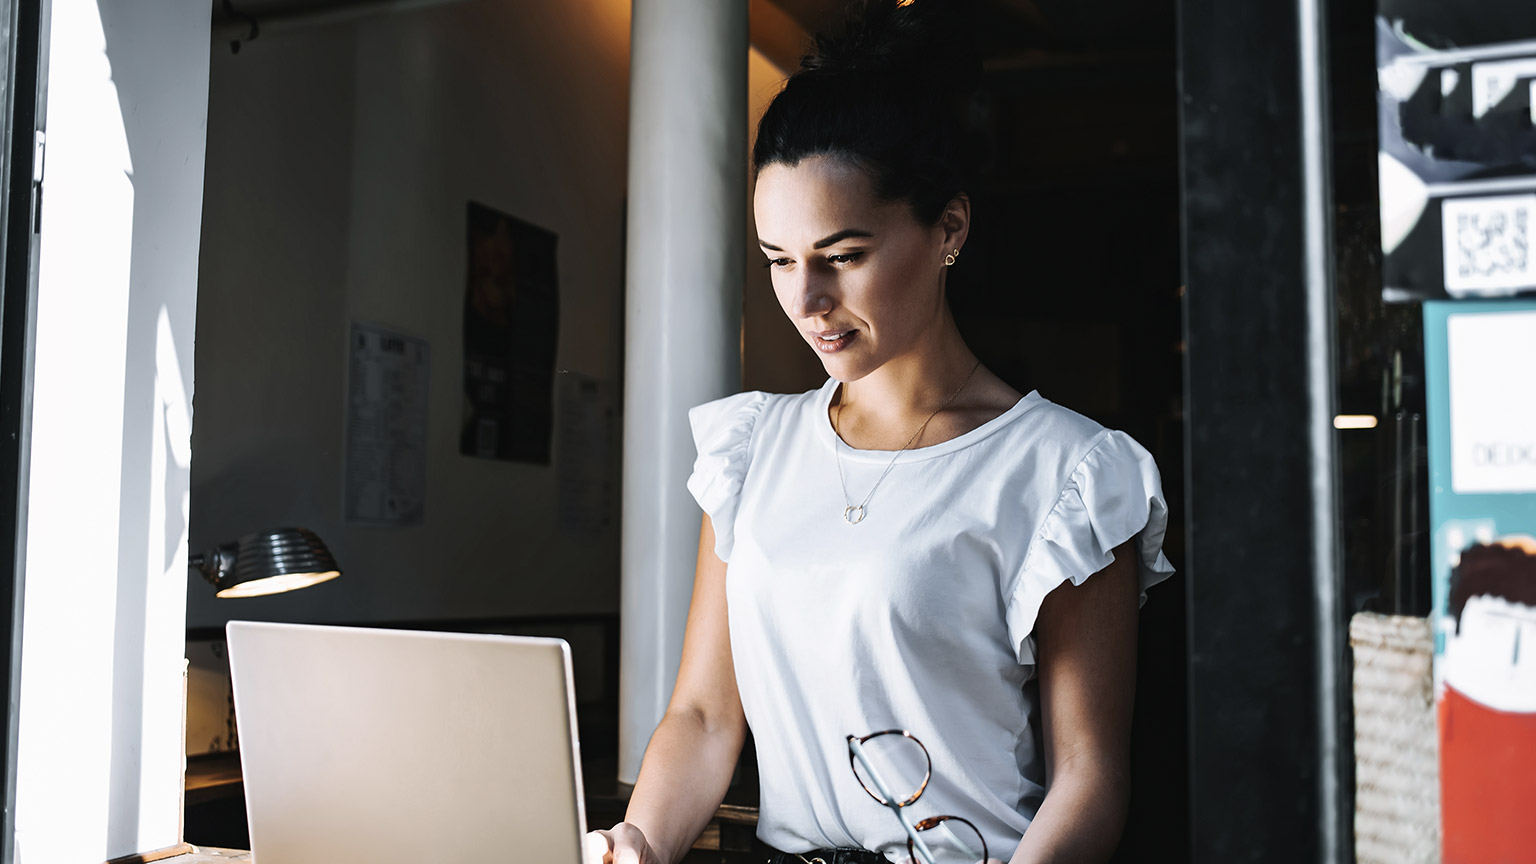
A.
x: 686, y: 236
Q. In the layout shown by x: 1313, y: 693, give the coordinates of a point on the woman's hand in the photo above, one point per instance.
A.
x: 621, y: 844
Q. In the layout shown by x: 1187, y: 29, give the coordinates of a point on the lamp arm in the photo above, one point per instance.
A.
x: 213, y: 564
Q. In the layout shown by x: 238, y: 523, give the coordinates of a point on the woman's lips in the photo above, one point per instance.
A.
x: 833, y: 341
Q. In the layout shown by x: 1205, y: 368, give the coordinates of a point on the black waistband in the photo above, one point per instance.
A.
x: 827, y: 856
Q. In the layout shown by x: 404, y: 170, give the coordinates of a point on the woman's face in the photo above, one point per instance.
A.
x: 860, y: 278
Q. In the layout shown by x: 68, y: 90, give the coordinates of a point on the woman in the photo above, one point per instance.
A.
x: 915, y: 544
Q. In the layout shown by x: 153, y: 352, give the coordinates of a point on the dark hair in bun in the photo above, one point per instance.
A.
x: 890, y: 94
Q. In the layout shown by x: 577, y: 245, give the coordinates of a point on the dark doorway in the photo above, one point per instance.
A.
x: 1073, y: 288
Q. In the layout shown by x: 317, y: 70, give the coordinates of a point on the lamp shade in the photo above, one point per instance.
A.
x: 270, y: 562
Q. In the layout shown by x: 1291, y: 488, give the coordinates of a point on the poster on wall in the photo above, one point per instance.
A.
x: 386, y: 458
x: 1480, y: 357
x: 511, y: 321
x: 1457, y: 158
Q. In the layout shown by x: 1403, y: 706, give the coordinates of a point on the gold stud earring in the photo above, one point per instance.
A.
x: 949, y: 260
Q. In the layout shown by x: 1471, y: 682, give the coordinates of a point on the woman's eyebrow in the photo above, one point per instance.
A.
x: 825, y: 241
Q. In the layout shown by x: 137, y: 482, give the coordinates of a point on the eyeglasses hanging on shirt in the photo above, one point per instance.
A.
x: 894, y: 767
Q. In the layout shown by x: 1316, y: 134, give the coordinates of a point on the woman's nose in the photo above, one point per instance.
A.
x: 811, y: 297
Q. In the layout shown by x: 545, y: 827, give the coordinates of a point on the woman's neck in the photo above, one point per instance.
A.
x: 907, y: 389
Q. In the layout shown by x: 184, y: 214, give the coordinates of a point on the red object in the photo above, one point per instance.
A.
x: 1487, y: 782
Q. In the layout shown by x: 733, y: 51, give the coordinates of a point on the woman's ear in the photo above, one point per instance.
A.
x: 956, y: 221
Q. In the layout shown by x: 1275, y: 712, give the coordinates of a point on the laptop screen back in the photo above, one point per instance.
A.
x: 402, y: 747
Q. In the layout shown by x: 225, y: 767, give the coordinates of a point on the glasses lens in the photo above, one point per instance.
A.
x: 952, y: 840
x: 893, y: 767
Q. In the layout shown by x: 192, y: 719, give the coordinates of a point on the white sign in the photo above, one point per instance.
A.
x: 1493, y: 401
x: 386, y: 427
x: 1488, y: 245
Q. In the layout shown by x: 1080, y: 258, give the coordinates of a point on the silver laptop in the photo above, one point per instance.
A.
x: 402, y: 747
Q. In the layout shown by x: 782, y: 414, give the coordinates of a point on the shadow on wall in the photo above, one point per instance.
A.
x: 163, y: 107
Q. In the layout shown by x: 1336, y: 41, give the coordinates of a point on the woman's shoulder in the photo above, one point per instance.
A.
x: 756, y: 403
x: 740, y: 416
x: 1055, y: 433
x: 1052, y: 448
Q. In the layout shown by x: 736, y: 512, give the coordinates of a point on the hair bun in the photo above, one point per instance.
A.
x: 891, y: 92
x: 929, y: 40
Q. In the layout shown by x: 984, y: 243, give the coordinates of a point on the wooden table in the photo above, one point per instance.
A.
x: 212, y: 776
x: 186, y: 853
x: 730, y: 837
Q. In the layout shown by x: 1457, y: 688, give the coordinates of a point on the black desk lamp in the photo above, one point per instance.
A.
x: 267, y: 563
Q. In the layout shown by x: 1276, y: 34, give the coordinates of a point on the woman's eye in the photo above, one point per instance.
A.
x: 837, y: 258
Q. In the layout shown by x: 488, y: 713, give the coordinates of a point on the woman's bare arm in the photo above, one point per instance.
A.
x: 1085, y: 637
x: 693, y: 753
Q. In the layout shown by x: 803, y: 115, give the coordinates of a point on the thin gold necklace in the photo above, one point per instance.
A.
x: 853, y: 514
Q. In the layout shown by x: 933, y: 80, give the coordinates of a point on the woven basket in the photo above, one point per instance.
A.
x: 1397, y: 776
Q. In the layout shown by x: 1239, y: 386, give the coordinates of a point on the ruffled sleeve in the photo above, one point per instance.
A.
x: 722, y: 432
x: 1114, y: 494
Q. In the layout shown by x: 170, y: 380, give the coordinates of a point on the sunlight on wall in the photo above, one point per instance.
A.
x: 72, y: 515
x: 99, y: 771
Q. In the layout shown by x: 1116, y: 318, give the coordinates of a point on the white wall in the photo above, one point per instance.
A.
x: 99, y: 772
x: 340, y: 163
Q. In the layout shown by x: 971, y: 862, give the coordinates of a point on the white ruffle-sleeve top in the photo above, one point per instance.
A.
x: 920, y: 617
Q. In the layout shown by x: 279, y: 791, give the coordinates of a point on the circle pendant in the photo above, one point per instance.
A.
x: 853, y: 514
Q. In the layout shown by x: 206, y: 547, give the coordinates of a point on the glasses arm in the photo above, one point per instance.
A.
x: 857, y: 749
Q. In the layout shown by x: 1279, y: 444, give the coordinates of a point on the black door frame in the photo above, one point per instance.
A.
x: 1267, y: 686
x: 23, y: 32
